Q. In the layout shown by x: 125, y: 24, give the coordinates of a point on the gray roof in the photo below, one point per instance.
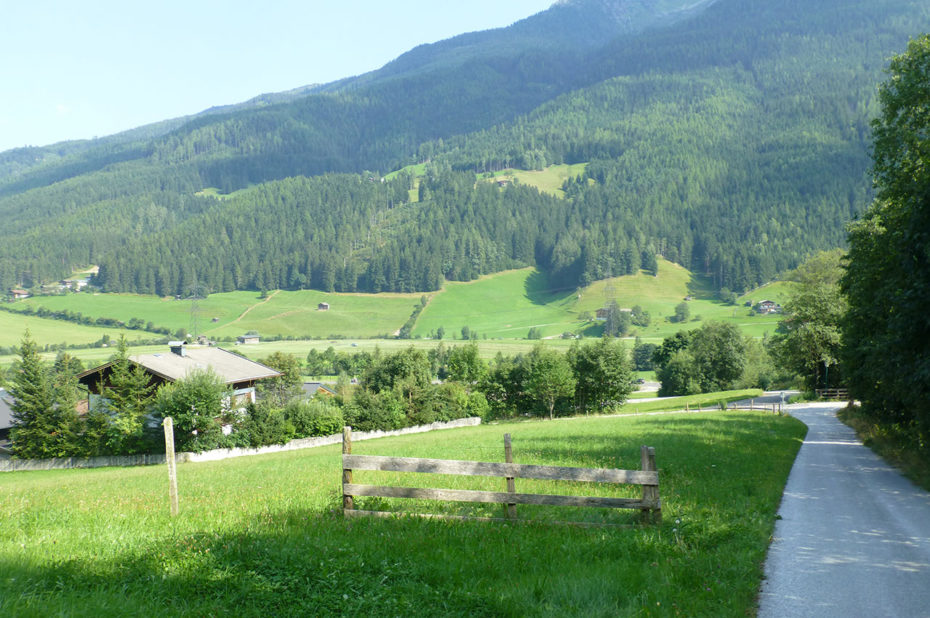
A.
x: 6, y: 412
x: 230, y: 367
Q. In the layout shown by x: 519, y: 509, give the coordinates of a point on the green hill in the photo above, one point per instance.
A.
x: 732, y: 139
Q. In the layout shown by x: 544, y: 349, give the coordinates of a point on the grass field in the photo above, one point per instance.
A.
x: 505, y: 305
x: 282, y: 313
x: 54, y: 332
x: 501, y: 308
x: 549, y: 180
x: 263, y: 536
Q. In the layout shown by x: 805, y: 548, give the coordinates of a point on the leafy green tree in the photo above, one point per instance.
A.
x: 466, y: 365
x: 720, y: 354
x: 549, y: 378
x: 278, y: 391
x: 602, y: 374
x: 682, y: 312
x: 640, y: 317
x: 642, y: 356
x: 43, y: 424
x: 197, y: 403
x: 808, y: 338
x: 680, y: 375
x: 886, y: 332
x: 406, y: 371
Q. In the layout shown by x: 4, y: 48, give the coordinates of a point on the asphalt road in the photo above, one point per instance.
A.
x: 854, y: 535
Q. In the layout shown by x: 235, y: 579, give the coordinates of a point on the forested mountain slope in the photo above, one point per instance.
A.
x: 733, y: 140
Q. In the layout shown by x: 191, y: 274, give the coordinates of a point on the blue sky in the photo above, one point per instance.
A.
x: 79, y: 69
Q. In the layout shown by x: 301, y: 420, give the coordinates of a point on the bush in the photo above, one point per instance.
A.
x: 267, y: 425
x: 317, y: 417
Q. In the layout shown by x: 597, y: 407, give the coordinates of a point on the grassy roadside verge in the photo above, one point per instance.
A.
x: 263, y: 535
x: 694, y: 402
x: 893, y: 443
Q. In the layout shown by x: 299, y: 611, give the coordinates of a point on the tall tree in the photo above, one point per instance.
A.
x: 128, y: 396
x: 42, y: 426
x: 549, y: 378
x: 602, y: 374
x: 808, y: 338
x: 886, y: 334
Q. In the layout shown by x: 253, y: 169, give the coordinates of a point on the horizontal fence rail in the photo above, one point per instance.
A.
x: 649, y: 504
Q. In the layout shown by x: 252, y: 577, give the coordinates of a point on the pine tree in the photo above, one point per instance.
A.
x: 129, y: 395
x: 44, y: 423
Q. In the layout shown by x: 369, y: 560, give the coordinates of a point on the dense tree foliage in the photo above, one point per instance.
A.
x: 808, y: 338
x: 710, y: 358
x: 45, y: 423
x: 886, y: 334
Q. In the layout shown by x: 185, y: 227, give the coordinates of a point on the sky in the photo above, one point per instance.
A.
x: 82, y: 69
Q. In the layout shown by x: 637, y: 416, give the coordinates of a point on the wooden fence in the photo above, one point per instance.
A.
x: 839, y: 394
x: 649, y: 504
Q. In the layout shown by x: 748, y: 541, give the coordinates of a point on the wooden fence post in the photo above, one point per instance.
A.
x: 650, y: 492
x: 347, y: 502
x: 511, y: 483
x: 172, y: 465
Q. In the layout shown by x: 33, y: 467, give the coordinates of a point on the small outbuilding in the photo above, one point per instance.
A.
x: 247, y: 339
x: 322, y: 307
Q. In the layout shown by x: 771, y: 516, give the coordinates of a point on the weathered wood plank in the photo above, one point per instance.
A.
x: 511, y: 483
x: 499, y: 497
x: 480, y: 468
x: 346, y: 472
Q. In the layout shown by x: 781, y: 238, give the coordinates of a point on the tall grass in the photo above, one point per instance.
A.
x: 265, y: 536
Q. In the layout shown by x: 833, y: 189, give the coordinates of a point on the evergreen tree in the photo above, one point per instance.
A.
x: 128, y: 396
x: 43, y: 423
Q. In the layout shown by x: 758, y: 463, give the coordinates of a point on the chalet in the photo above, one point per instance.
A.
x: 239, y: 373
x: 600, y: 314
x: 18, y: 294
x: 247, y: 339
x: 768, y: 306
x: 322, y: 307
x: 74, y: 284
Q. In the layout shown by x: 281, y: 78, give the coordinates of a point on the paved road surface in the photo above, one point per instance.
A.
x: 854, y: 536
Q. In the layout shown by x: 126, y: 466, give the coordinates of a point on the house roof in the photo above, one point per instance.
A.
x: 6, y: 411
x: 230, y: 367
x: 312, y: 388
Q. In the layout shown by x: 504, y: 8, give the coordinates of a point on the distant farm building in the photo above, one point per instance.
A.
x: 18, y: 294
x: 768, y: 306
x: 322, y: 307
x: 74, y: 284
x: 247, y: 339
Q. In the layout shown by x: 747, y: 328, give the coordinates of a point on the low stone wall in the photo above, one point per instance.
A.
x: 64, y: 463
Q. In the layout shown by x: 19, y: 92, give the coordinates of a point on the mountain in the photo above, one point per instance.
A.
x: 731, y: 137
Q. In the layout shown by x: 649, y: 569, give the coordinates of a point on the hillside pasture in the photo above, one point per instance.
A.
x: 548, y: 180
x: 505, y: 305
x: 55, y: 332
x: 259, y: 536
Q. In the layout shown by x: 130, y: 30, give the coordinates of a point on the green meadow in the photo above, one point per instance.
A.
x: 264, y: 535
x: 500, y: 309
x: 549, y: 180
x: 55, y: 332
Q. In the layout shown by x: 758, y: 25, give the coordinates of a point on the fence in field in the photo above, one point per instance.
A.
x: 649, y: 504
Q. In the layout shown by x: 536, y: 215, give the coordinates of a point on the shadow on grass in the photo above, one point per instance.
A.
x: 538, y: 289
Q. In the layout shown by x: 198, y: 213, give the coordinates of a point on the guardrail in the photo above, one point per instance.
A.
x: 649, y: 504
